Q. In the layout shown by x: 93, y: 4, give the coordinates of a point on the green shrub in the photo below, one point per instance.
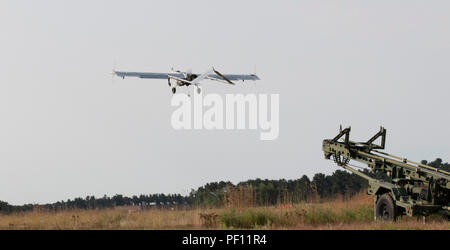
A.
x: 314, y: 216
x: 250, y: 218
x: 320, y: 216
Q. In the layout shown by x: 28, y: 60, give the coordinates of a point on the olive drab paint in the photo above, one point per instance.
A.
x: 411, y: 188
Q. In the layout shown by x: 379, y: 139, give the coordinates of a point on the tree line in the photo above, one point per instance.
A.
x: 216, y: 194
x: 438, y: 163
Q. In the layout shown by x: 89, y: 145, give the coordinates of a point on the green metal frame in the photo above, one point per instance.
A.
x: 417, y: 189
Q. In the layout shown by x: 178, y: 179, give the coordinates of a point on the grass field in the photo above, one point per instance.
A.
x: 356, y: 213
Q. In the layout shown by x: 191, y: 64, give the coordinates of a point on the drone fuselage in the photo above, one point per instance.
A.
x: 189, y: 77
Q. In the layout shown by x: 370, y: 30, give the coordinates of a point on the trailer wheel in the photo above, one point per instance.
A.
x: 385, y: 209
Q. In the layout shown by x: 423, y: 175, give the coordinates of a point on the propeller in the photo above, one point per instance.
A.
x: 113, y: 73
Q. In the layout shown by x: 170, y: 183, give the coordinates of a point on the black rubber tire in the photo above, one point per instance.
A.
x: 174, y: 90
x: 385, y: 208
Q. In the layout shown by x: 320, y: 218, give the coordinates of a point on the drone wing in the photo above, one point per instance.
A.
x: 147, y: 75
x: 228, y: 78
x: 211, y: 75
x: 233, y: 77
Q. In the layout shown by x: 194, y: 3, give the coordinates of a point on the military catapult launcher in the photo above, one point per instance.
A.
x: 408, y: 188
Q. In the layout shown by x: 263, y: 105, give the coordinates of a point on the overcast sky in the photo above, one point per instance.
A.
x: 68, y: 129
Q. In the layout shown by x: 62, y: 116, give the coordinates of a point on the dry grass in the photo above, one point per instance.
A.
x: 355, y: 213
x: 105, y: 219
